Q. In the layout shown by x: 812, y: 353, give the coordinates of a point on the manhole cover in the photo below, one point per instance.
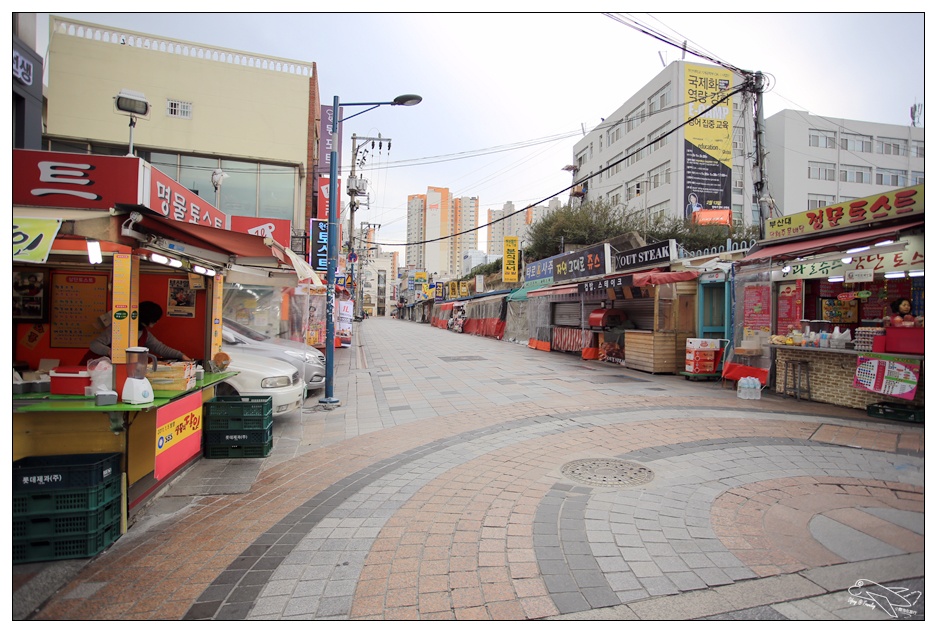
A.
x: 607, y: 472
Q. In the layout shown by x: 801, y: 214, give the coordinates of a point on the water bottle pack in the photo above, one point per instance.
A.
x: 749, y: 388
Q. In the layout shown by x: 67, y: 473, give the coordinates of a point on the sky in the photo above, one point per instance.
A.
x: 507, y: 94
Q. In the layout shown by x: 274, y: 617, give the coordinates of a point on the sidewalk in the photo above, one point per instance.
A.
x: 466, y: 478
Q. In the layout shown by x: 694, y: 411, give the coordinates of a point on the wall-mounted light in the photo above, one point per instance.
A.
x: 836, y: 279
x: 197, y: 269
x: 894, y: 275
x: 886, y: 242
x: 785, y: 269
x: 852, y: 251
x: 155, y: 257
x: 175, y: 263
x: 915, y: 273
x: 94, y: 251
x: 847, y: 260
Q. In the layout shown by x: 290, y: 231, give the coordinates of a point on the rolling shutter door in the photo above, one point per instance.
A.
x: 567, y: 314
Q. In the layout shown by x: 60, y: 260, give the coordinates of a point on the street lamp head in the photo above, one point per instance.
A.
x: 408, y: 99
x: 131, y: 103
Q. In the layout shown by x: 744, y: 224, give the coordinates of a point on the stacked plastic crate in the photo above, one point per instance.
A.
x: 65, y: 506
x: 238, y: 427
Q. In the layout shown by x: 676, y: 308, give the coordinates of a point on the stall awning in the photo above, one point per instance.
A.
x: 831, y: 243
x: 656, y: 277
x: 555, y: 290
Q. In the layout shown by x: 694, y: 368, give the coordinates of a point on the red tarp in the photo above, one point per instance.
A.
x: 655, y: 277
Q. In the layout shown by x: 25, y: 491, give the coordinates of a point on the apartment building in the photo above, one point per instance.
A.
x: 507, y: 222
x: 441, y: 229
x: 815, y: 161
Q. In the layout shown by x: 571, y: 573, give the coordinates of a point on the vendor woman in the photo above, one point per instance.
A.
x: 150, y: 313
x: 902, y: 314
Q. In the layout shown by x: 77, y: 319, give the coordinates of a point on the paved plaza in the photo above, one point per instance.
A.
x: 464, y: 478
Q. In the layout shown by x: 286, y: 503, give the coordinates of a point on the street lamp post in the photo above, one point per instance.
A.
x: 406, y: 99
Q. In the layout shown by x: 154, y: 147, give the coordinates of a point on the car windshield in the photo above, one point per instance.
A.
x: 245, y: 331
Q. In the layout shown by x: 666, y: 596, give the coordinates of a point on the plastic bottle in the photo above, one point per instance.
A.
x: 755, y: 388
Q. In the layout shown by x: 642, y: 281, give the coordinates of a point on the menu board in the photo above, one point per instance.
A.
x: 840, y: 312
x: 789, y: 306
x: 756, y: 308
x: 78, y: 299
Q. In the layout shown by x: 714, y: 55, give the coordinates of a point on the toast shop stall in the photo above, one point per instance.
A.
x: 820, y: 292
x: 93, y: 238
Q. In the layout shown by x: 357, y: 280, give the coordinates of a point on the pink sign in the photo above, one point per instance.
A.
x: 887, y: 375
x: 278, y: 229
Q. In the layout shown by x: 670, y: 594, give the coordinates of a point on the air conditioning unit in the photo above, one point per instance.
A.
x: 357, y: 186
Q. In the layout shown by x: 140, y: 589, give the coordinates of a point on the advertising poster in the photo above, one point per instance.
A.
x: 789, y: 306
x: 315, y: 335
x: 756, y: 308
x: 178, y: 434
x: 32, y: 238
x: 708, y: 145
x: 181, y: 300
x: 345, y: 319
x: 887, y: 375
x: 511, y: 261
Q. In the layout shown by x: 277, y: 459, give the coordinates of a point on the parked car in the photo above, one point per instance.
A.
x: 308, y: 360
x: 258, y: 376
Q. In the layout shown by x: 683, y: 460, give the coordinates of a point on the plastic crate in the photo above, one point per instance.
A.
x: 78, y: 523
x: 65, y: 547
x: 238, y: 423
x: 66, y: 500
x: 896, y: 411
x: 65, y: 471
x: 238, y: 437
x: 238, y: 451
x: 239, y: 408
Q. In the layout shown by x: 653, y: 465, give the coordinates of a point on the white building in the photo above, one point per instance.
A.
x: 508, y: 223
x: 642, y: 159
x: 814, y: 161
x: 474, y: 258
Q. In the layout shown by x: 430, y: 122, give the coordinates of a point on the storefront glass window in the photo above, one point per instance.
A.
x: 239, y: 191
x: 166, y: 163
x: 195, y: 175
x: 277, y: 189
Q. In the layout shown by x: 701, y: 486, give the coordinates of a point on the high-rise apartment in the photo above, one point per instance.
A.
x: 442, y: 229
x: 507, y: 222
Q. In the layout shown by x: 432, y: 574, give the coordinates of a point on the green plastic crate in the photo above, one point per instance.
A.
x: 65, y: 471
x: 78, y: 523
x: 54, y: 501
x: 238, y: 413
x: 238, y: 437
x: 896, y: 411
x: 238, y: 451
x: 65, y: 547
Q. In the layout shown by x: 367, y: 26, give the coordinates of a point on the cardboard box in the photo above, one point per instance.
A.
x: 702, y: 343
x: 700, y: 354
x: 700, y: 366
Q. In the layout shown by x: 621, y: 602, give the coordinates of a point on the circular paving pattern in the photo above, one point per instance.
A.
x: 607, y: 472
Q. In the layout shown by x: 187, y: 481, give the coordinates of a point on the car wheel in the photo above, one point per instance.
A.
x: 225, y: 390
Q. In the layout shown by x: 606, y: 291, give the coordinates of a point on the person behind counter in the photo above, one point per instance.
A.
x: 902, y: 315
x: 150, y: 313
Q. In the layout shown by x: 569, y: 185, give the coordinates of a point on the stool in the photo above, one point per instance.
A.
x: 796, y: 369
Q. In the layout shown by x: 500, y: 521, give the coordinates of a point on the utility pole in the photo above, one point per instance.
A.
x: 357, y: 187
x: 366, y: 250
x: 760, y: 185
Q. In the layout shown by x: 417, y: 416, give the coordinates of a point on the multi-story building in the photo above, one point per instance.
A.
x: 431, y: 221
x: 506, y: 222
x: 644, y: 159
x: 474, y: 258
x: 257, y: 119
x: 27, y: 84
x: 815, y: 161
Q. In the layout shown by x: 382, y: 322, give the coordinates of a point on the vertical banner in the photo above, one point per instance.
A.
x: 789, y: 306
x: 124, y: 331
x: 328, y: 141
x: 756, y: 308
x: 511, y: 268
x: 318, y: 245
x: 479, y: 284
x: 708, y: 145
x: 345, y: 320
x: 463, y: 288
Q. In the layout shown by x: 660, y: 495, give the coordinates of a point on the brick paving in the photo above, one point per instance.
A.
x: 436, y: 491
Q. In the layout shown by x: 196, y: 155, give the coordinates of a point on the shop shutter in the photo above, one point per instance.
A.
x: 639, y: 311
x: 567, y: 314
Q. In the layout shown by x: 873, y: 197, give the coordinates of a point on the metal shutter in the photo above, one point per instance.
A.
x: 567, y: 314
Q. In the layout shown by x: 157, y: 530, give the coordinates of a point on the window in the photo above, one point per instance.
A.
x: 892, y: 146
x: 617, y: 162
x: 856, y: 142
x: 819, y: 200
x: 195, y: 175
x: 658, y: 212
x: 178, y: 109
x: 635, y: 118
x: 737, y: 179
x: 634, y: 188
x: 615, y: 134
x: 634, y: 152
x: 852, y: 173
x: 916, y: 177
x: 616, y: 196
x: 737, y: 140
x: 659, y: 176
x: 891, y: 177
x: 822, y: 139
x: 737, y: 214
x: 917, y: 149
x: 821, y: 171
x: 581, y: 158
x: 657, y: 139
x: 660, y: 99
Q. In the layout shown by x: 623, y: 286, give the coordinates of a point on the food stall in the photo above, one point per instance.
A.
x: 816, y: 295
x: 87, y: 252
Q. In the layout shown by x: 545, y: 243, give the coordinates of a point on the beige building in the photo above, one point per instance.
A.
x: 256, y: 118
x: 437, y: 219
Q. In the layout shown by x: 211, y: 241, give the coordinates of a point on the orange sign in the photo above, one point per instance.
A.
x: 850, y: 213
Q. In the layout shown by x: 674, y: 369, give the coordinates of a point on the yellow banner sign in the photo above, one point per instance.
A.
x: 463, y: 288
x: 420, y: 277
x: 883, y: 206
x: 510, y: 266
x: 32, y: 238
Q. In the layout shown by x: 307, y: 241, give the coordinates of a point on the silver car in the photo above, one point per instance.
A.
x: 308, y: 360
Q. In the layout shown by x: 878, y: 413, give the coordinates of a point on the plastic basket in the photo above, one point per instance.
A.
x: 239, y: 407
x: 238, y: 437
x: 79, y: 523
x: 65, y: 547
x: 896, y: 411
x: 64, y: 471
x: 238, y: 423
x: 54, y: 501
x: 239, y: 451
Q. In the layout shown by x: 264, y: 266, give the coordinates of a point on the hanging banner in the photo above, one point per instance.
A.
x: 32, y: 238
x: 888, y: 375
x: 511, y: 267
x: 708, y: 145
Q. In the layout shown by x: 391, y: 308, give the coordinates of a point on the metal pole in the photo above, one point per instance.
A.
x: 332, y: 264
x: 761, y: 185
x: 132, y: 125
x: 352, y: 193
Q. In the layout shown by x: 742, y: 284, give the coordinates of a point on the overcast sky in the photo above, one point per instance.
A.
x: 499, y: 81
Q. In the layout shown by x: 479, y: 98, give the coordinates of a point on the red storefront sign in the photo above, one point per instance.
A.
x: 278, y: 229
x: 173, y: 201
x: 46, y: 178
